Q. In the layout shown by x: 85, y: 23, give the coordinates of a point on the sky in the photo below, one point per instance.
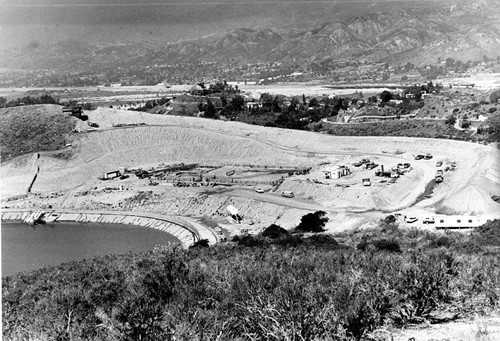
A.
x: 15, y: 12
x: 25, y: 21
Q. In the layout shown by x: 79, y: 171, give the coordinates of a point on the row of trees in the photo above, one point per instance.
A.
x: 28, y: 100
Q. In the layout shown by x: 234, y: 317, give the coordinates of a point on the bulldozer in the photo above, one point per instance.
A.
x: 76, y: 111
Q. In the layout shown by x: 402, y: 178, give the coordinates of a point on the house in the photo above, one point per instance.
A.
x: 196, y: 90
x: 253, y: 105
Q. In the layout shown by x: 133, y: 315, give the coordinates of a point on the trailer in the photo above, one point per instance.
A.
x: 458, y: 222
x: 111, y: 175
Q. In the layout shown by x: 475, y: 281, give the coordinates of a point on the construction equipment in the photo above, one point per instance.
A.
x: 381, y: 172
x: 74, y: 110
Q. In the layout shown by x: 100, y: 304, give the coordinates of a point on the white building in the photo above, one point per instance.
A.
x: 458, y: 221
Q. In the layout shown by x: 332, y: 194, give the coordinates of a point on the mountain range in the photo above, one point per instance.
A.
x: 464, y: 30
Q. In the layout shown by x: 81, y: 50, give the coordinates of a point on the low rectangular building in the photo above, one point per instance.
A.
x: 458, y: 221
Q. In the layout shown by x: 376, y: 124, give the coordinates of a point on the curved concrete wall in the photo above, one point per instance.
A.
x: 183, y: 230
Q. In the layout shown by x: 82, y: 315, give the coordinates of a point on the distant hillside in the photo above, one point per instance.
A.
x: 33, y: 128
x: 380, y: 32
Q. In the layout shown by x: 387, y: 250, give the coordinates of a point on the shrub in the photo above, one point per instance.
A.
x: 313, y: 222
x: 390, y: 219
x: 322, y: 239
x: 200, y: 243
x: 289, y: 240
x: 249, y: 241
x: 274, y: 231
x: 442, y: 241
x: 489, y: 233
x: 387, y: 245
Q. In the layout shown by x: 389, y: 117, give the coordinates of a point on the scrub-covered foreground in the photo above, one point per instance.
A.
x: 275, y: 286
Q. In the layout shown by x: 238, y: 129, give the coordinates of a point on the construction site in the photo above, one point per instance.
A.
x: 185, y: 166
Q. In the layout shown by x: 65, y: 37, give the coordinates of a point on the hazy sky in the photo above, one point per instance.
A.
x: 25, y: 21
x: 13, y: 12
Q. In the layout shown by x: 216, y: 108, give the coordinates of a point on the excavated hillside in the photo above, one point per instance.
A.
x: 171, y: 139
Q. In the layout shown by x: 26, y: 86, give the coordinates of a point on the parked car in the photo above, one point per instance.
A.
x: 357, y: 164
x: 439, y: 163
x: 123, y: 177
x: 367, y: 182
x: 406, y: 165
x: 428, y: 220
x: 419, y: 157
x: 428, y: 156
x: 259, y: 190
x: 411, y: 219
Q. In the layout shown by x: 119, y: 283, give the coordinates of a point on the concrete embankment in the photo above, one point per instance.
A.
x: 186, y: 232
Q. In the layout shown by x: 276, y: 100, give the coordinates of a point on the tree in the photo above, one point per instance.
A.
x: 450, y: 120
x: 237, y: 103
x: 267, y: 100
x: 210, y: 111
x: 385, y: 96
x: 3, y: 101
x: 493, y: 122
x: 313, y: 102
x: 313, y: 222
x: 223, y: 99
x: 294, y: 103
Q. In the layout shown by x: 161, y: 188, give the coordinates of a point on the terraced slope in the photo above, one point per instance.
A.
x: 170, y: 139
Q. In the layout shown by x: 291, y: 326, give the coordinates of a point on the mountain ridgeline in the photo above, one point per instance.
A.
x: 393, y: 33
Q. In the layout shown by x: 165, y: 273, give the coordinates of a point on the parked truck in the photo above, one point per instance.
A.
x: 287, y: 194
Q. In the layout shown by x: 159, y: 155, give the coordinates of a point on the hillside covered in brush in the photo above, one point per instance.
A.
x: 276, y: 286
x: 33, y: 128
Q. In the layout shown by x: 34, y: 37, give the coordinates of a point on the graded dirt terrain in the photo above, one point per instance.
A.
x: 72, y: 181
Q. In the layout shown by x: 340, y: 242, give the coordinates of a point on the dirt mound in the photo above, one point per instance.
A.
x: 33, y: 128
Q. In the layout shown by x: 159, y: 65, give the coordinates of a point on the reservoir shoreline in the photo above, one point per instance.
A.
x: 186, y: 231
